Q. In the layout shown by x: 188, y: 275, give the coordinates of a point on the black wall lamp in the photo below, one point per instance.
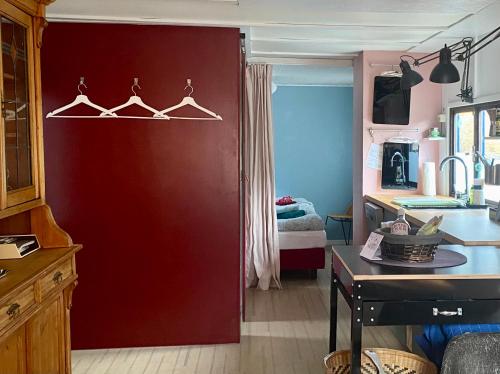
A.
x: 445, y: 72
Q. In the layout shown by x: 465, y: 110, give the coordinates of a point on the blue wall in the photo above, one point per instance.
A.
x: 313, y: 147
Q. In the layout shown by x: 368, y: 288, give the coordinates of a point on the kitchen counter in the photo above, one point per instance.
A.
x: 470, y: 227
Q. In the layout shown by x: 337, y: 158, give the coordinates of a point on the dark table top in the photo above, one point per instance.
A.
x: 482, y: 263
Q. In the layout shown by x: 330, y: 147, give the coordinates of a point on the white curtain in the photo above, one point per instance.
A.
x: 262, y: 250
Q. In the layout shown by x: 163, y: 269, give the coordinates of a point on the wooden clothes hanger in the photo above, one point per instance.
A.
x: 80, y: 99
x: 188, y: 100
x: 136, y: 100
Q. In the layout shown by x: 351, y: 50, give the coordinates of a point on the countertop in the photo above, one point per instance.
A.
x: 469, y: 227
x: 481, y: 264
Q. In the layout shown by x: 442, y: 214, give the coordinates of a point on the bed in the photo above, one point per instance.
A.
x: 302, y: 240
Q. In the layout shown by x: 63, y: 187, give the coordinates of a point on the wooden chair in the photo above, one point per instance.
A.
x: 343, y: 218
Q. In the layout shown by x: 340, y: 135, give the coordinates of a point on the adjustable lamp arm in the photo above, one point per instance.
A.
x: 461, y: 50
x: 476, y: 47
x: 445, y: 71
x: 435, y: 55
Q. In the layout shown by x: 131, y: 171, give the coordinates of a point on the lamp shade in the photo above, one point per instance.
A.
x: 445, y: 71
x: 410, y: 77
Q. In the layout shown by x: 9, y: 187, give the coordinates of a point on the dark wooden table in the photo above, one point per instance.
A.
x: 382, y: 296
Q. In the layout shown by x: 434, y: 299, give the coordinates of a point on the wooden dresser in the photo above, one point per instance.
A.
x: 35, y: 295
x: 35, y: 299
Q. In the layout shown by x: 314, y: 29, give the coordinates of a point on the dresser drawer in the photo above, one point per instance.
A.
x: 56, y: 277
x: 431, y: 312
x: 14, y: 308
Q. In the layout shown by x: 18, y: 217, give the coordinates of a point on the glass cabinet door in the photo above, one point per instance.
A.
x: 17, y: 97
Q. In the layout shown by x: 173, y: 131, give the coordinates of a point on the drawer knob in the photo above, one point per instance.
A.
x: 447, y: 313
x: 58, y: 277
x: 13, y: 310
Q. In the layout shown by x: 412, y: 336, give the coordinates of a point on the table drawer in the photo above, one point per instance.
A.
x: 14, y: 308
x: 56, y: 277
x: 430, y: 312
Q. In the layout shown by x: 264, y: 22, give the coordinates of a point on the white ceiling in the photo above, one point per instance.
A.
x: 306, y: 28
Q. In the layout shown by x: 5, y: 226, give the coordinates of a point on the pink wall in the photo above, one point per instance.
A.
x: 426, y: 104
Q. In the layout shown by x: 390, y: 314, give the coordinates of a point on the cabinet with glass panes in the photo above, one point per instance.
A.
x: 21, y: 166
x: 36, y: 290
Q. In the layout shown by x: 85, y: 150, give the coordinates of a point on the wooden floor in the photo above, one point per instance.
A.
x: 286, y: 332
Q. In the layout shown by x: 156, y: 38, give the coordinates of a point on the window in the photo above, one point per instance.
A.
x: 476, y: 127
x: 489, y: 123
x: 463, y: 147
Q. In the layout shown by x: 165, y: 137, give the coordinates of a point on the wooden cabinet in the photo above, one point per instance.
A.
x: 12, y: 353
x: 17, y: 131
x: 21, y: 145
x: 35, y: 295
x: 46, y: 340
x: 35, y: 301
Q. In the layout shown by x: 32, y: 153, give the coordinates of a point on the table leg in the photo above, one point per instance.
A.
x: 343, y: 232
x: 333, y: 313
x: 350, y: 232
x: 409, y: 338
x: 356, y: 334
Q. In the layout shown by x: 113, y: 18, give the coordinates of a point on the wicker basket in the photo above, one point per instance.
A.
x: 393, y: 361
x: 409, y: 248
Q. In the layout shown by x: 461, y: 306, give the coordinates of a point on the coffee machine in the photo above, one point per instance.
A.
x: 400, y: 166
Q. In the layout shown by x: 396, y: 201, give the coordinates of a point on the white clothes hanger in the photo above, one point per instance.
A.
x: 136, y: 100
x: 80, y: 99
x: 188, y: 100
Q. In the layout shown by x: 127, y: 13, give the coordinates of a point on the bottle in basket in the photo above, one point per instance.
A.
x: 400, y: 225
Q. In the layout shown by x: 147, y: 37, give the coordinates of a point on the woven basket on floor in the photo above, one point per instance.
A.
x: 393, y: 361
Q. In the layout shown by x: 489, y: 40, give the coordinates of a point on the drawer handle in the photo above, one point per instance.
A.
x: 447, y: 313
x: 14, y: 310
x: 58, y: 277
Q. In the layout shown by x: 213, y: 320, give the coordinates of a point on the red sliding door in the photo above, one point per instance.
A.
x: 155, y: 203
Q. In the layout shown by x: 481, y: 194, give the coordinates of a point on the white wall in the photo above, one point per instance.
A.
x: 485, y: 77
x: 485, y: 81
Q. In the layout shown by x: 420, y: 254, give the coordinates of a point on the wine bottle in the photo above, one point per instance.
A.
x: 400, y: 225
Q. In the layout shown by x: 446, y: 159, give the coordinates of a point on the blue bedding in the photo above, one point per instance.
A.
x: 310, y: 222
x: 280, y: 209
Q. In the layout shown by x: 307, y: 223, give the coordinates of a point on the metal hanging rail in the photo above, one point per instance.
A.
x: 372, y: 131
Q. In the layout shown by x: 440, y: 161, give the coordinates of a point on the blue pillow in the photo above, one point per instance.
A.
x: 293, y: 214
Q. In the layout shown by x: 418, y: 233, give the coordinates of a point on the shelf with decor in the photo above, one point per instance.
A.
x: 435, y: 138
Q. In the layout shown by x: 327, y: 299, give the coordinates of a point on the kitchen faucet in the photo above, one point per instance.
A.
x: 403, y: 177
x: 465, y: 195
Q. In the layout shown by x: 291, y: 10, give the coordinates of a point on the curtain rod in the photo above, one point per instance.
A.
x: 385, y: 65
x: 331, y: 62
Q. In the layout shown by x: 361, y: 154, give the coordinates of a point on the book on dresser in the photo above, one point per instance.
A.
x: 17, y: 246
